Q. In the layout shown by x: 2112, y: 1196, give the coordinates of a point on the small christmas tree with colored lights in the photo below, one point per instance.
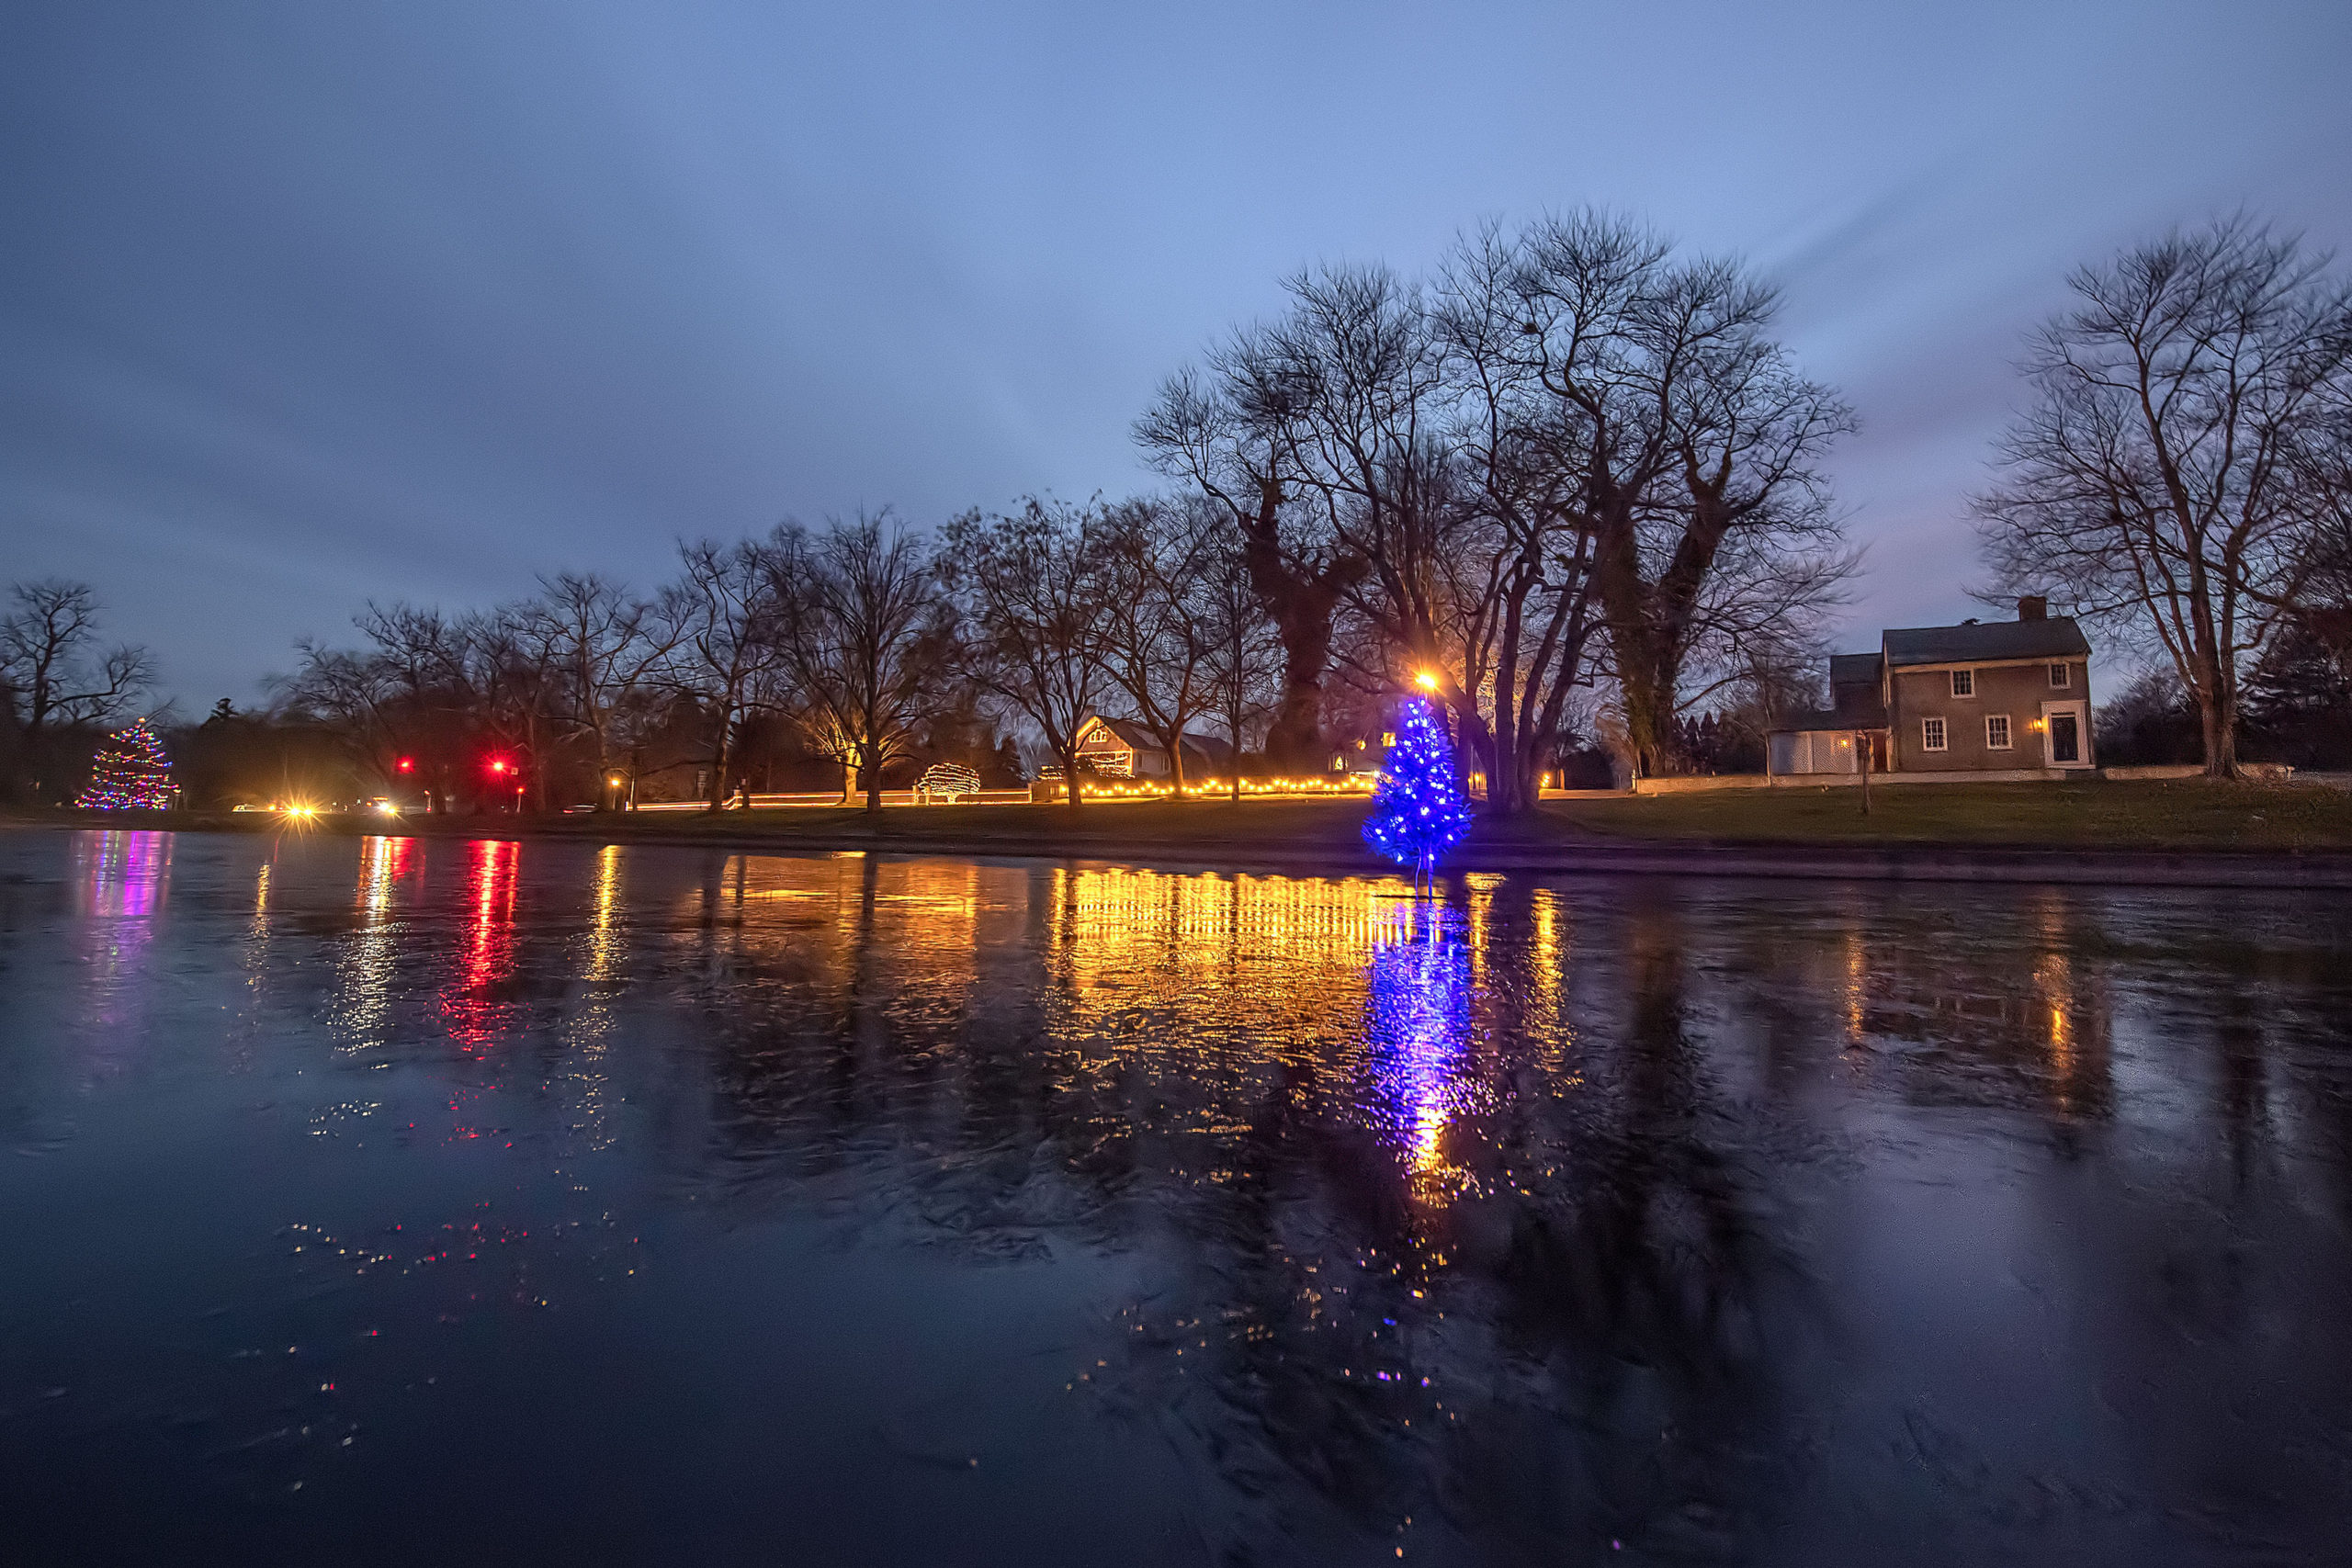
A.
x: 1419, y: 812
x: 129, y: 773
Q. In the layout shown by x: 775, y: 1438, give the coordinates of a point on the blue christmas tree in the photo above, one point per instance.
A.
x: 1419, y: 811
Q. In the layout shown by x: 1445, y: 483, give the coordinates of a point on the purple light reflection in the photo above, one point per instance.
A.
x: 121, y: 875
x: 1418, y: 1033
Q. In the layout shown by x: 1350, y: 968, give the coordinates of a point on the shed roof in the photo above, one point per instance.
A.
x: 1990, y: 640
x: 1860, y: 711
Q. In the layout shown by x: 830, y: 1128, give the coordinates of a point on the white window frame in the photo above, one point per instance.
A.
x: 2008, y: 732
x: 1963, y: 682
x: 1933, y: 735
x: 2061, y: 677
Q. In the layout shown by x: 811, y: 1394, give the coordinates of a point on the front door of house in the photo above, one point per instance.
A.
x: 2062, y: 737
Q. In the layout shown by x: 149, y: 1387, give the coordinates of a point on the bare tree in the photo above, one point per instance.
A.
x: 1034, y: 597
x: 1691, y: 433
x: 1244, y: 666
x: 516, y: 668
x: 609, y: 646
x: 1207, y: 429
x: 49, y: 663
x: 2183, y: 452
x: 1530, y: 615
x: 1159, y: 640
x: 728, y: 646
x: 868, y: 640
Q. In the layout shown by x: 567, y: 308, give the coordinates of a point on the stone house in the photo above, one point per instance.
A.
x: 1983, y: 700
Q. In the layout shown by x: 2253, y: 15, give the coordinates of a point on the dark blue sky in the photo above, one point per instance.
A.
x: 302, y: 304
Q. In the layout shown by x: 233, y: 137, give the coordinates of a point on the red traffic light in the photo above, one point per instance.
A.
x: 497, y: 765
x: 406, y: 765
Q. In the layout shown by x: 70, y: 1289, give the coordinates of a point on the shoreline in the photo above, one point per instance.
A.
x: 1586, y: 855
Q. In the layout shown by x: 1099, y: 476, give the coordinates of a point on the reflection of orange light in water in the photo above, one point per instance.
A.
x: 382, y: 863
x: 604, y: 940
x: 1858, y: 969
x: 2054, y: 981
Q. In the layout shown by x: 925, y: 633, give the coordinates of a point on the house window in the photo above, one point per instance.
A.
x: 2060, y: 677
x: 1963, y: 684
x: 1931, y: 734
x: 1996, y: 731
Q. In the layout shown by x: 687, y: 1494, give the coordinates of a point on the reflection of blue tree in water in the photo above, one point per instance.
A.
x: 1416, y: 1030
x: 1552, y: 1322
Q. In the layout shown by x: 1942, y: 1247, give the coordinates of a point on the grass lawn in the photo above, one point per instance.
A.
x: 2123, y: 814
x: 2185, y: 814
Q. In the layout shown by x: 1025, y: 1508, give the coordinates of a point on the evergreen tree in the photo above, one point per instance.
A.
x: 129, y: 773
x: 1418, y: 811
x: 2299, y: 700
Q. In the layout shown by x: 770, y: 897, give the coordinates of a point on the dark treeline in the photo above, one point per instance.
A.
x: 1570, y: 474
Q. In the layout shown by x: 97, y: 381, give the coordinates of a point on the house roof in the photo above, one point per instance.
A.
x: 1135, y: 737
x: 1853, y: 669
x: 1990, y: 640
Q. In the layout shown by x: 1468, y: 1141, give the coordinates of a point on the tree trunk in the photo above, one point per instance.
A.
x: 1300, y: 604
x: 719, y: 757
x: 1070, y: 777
x: 2221, y: 737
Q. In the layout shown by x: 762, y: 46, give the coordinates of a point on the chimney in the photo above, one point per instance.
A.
x: 2033, y: 607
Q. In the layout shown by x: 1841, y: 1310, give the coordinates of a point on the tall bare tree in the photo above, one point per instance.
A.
x: 868, y: 640
x: 1695, y: 443
x: 728, y: 646
x: 1525, y: 615
x: 1245, y: 660
x: 1034, y: 595
x: 52, y: 669
x: 609, y: 646
x: 1160, y: 640
x: 2183, y: 452
x: 1207, y: 429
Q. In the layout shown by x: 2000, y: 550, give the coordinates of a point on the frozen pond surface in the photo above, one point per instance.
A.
x: 393, y: 1201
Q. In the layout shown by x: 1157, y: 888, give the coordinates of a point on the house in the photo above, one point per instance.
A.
x: 1123, y: 748
x: 1362, y: 754
x: 1825, y: 741
x: 1978, y: 700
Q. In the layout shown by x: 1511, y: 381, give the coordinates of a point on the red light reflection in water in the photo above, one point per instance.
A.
x: 469, y: 1002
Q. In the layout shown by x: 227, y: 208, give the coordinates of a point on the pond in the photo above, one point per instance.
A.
x: 408, y: 1200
